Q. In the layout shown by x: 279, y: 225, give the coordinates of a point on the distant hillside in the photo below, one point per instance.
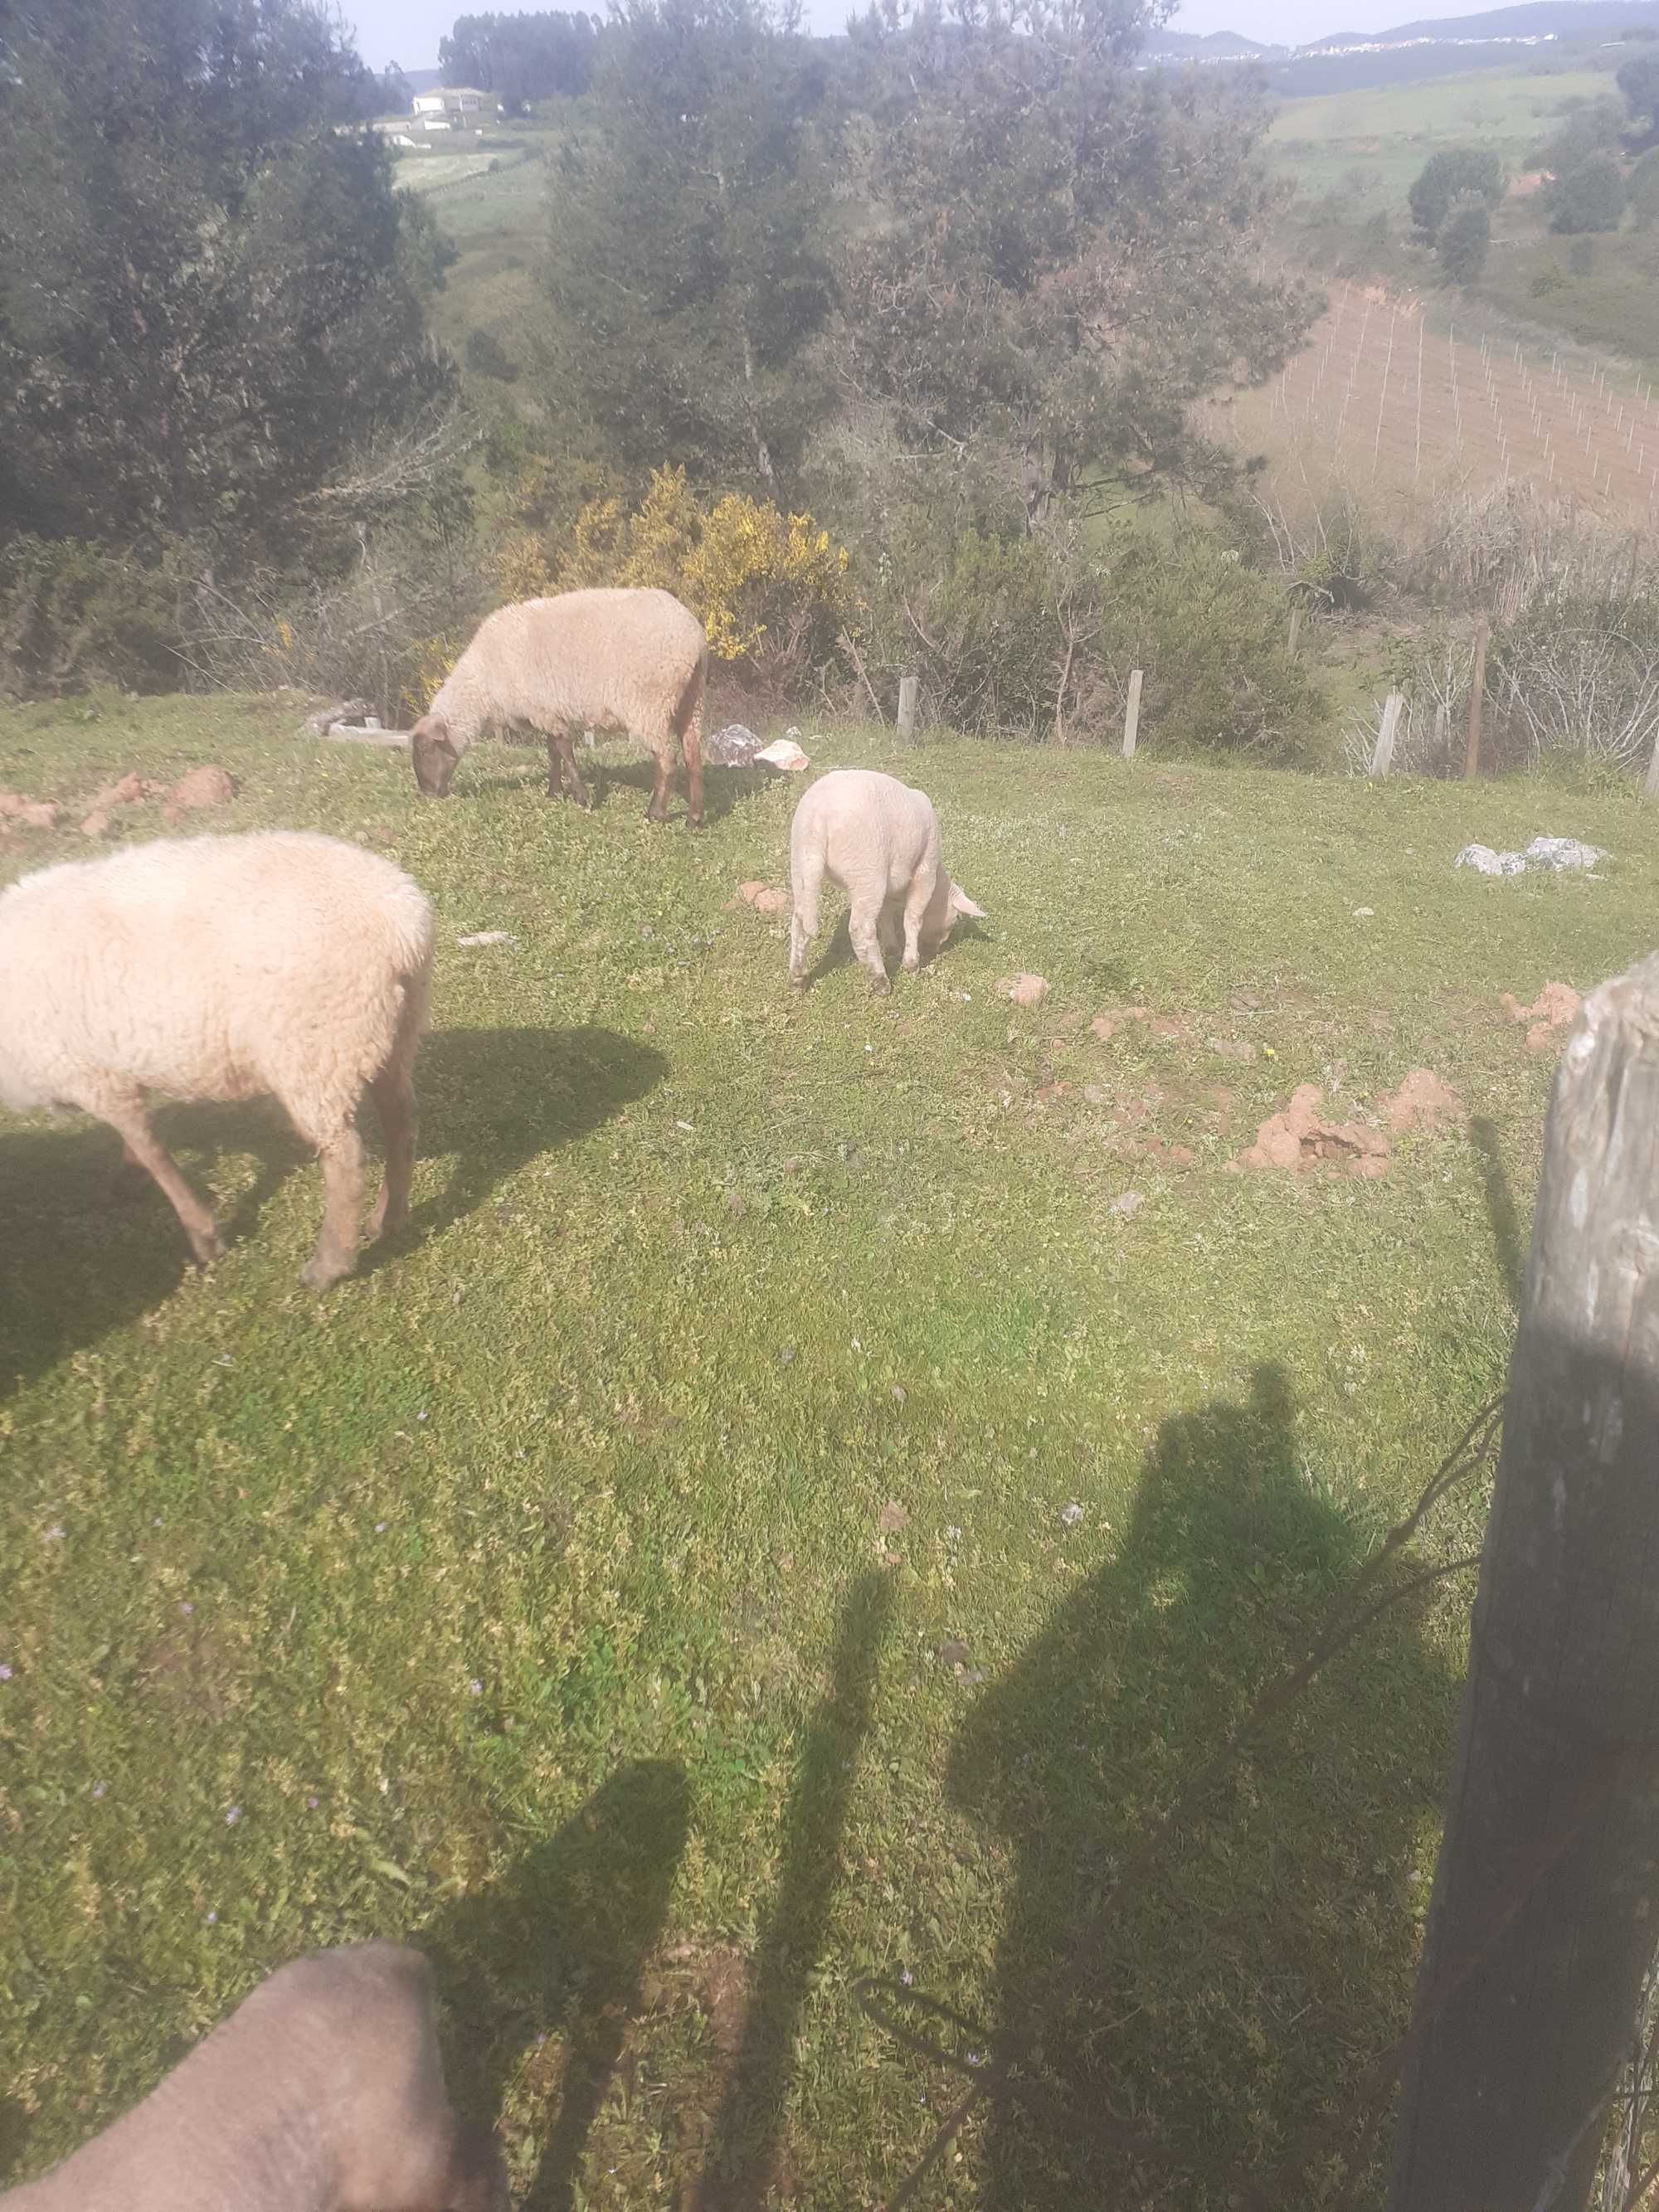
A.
x: 1534, y: 19
x: 1430, y: 46
x: 1217, y: 47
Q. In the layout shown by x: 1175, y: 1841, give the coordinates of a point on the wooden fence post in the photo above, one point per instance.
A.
x: 1650, y: 789
x: 1290, y: 643
x: 909, y: 687
x: 1442, y: 724
x: 1541, y: 1930
x: 1382, y: 751
x: 1132, y: 715
x: 1477, y: 699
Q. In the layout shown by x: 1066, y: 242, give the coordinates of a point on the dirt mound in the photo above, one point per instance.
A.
x: 1301, y: 1138
x: 1555, y: 1008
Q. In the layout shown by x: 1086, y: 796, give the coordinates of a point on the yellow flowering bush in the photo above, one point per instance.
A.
x: 770, y: 587
x: 431, y: 659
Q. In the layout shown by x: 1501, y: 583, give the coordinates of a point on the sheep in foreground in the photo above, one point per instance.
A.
x: 878, y: 838
x: 633, y: 660
x: 225, y: 967
x: 323, y: 2092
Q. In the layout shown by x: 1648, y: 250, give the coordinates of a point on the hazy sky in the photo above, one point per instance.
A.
x: 408, y: 31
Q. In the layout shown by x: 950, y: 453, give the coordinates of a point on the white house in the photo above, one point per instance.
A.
x: 449, y: 106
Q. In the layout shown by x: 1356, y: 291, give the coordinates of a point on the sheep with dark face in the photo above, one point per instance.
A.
x: 632, y: 660
x: 323, y: 2092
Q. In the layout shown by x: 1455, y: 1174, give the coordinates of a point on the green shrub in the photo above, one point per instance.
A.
x: 487, y: 357
x: 1581, y: 257
x: 1643, y: 187
x: 1589, y: 198
x: 1210, y: 632
x: 1453, y: 175
x: 1465, y: 239
x: 73, y: 615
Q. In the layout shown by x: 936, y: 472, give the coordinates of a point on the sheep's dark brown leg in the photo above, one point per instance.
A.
x: 335, y: 1254
x: 478, y: 2176
x: 143, y: 1148
x: 662, y: 745
x: 562, y: 776
x: 394, y: 1102
x: 688, y: 722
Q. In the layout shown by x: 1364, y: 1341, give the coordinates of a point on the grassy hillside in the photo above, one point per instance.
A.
x: 1369, y: 146
x: 817, y: 1474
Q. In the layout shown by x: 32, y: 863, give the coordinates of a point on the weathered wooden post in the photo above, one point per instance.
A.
x: 909, y: 687
x: 1477, y: 699
x: 1382, y: 751
x: 1132, y: 715
x: 1650, y: 787
x: 1442, y: 724
x: 1295, y: 637
x: 1543, y: 1922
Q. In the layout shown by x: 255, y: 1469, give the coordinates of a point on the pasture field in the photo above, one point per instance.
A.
x: 1384, y: 403
x: 1381, y: 137
x: 816, y: 1476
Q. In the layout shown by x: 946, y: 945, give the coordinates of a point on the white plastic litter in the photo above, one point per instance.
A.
x: 1542, y: 853
x: 488, y: 937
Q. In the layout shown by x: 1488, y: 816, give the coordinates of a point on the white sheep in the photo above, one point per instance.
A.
x: 224, y: 968
x: 633, y: 660
x: 323, y: 2092
x: 878, y: 838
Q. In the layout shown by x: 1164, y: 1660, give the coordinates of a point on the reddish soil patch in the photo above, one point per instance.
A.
x: 1553, y: 1009
x: 1300, y: 1138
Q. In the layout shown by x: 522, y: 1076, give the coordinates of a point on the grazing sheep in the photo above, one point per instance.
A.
x: 222, y: 968
x: 877, y: 839
x: 323, y: 2092
x: 624, y: 659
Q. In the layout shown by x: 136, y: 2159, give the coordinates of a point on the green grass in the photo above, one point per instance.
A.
x: 530, y: 1595
x: 1378, y: 139
x: 1615, y: 307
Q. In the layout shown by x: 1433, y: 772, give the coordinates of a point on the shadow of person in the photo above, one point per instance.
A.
x: 1226, y: 1997
x: 557, y: 1948
x: 738, y: 2170
x: 83, y: 1250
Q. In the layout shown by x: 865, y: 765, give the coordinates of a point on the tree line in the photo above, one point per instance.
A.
x: 959, y: 275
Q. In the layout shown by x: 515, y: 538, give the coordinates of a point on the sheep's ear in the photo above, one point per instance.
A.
x: 962, y: 904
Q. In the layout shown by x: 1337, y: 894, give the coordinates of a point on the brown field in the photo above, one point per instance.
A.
x: 1379, y: 403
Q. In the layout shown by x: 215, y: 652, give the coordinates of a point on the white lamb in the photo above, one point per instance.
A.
x: 222, y: 967
x: 633, y: 660
x: 878, y: 838
x: 323, y: 2092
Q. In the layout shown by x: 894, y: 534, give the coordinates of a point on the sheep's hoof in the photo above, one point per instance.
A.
x: 208, y: 1246
x: 694, y: 821
x: 323, y: 1269
x: 880, y: 986
x: 798, y: 982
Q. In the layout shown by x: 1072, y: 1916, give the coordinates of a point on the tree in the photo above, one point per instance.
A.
x: 1589, y: 198
x: 521, y: 59
x: 1638, y: 80
x: 395, y: 92
x: 1465, y: 237
x: 1461, y: 171
x: 210, y: 296
x: 1594, y: 126
x: 1645, y: 190
x: 686, y: 267
x: 1070, y: 250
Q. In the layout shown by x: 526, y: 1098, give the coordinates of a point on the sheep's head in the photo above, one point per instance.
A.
x: 434, y: 754
x: 949, y: 905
